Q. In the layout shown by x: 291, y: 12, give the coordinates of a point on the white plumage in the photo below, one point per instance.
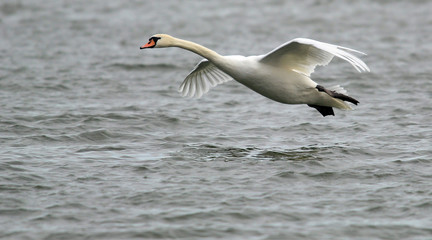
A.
x: 282, y: 75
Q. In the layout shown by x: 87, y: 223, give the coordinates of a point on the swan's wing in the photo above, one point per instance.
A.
x: 204, y: 76
x: 303, y: 55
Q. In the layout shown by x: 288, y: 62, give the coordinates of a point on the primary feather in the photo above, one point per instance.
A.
x: 303, y: 55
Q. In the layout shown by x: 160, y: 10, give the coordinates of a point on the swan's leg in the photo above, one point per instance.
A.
x: 337, y: 95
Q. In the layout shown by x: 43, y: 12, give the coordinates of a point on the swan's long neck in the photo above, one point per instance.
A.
x: 198, y: 49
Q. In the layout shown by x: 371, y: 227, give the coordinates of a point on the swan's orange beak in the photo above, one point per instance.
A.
x: 150, y: 44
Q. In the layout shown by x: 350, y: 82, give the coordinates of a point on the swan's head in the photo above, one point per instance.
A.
x: 159, y: 41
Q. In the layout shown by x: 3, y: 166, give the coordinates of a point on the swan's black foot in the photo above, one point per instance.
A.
x: 325, y: 111
x: 337, y: 95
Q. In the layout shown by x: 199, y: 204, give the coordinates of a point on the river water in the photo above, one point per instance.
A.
x: 96, y: 142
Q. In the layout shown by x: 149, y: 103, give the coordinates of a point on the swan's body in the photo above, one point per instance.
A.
x: 282, y: 75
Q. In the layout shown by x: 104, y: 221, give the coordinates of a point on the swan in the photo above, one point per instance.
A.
x: 282, y: 75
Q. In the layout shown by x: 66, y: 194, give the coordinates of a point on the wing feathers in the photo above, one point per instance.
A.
x: 204, y: 76
x: 303, y: 55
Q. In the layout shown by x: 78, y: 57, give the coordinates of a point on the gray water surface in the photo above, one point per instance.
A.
x: 96, y: 142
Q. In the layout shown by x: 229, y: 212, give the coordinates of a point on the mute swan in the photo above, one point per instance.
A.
x: 282, y: 75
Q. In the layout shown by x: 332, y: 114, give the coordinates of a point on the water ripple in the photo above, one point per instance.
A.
x: 96, y: 143
x: 140, y: 66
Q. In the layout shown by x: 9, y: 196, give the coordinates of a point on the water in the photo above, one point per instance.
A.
x: 96, y: 143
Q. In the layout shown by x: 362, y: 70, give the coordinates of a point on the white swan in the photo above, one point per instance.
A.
x: 282, y: 75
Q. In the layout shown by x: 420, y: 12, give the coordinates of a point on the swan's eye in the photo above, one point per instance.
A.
x: 154, y: 39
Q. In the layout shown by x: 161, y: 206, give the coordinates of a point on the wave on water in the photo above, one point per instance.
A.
x: 209, y: 151
x: 103, y: 148
x: 141, y: 66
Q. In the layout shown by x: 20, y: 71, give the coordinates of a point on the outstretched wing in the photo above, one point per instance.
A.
x: 303, y: 55
x: 204, y: 76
